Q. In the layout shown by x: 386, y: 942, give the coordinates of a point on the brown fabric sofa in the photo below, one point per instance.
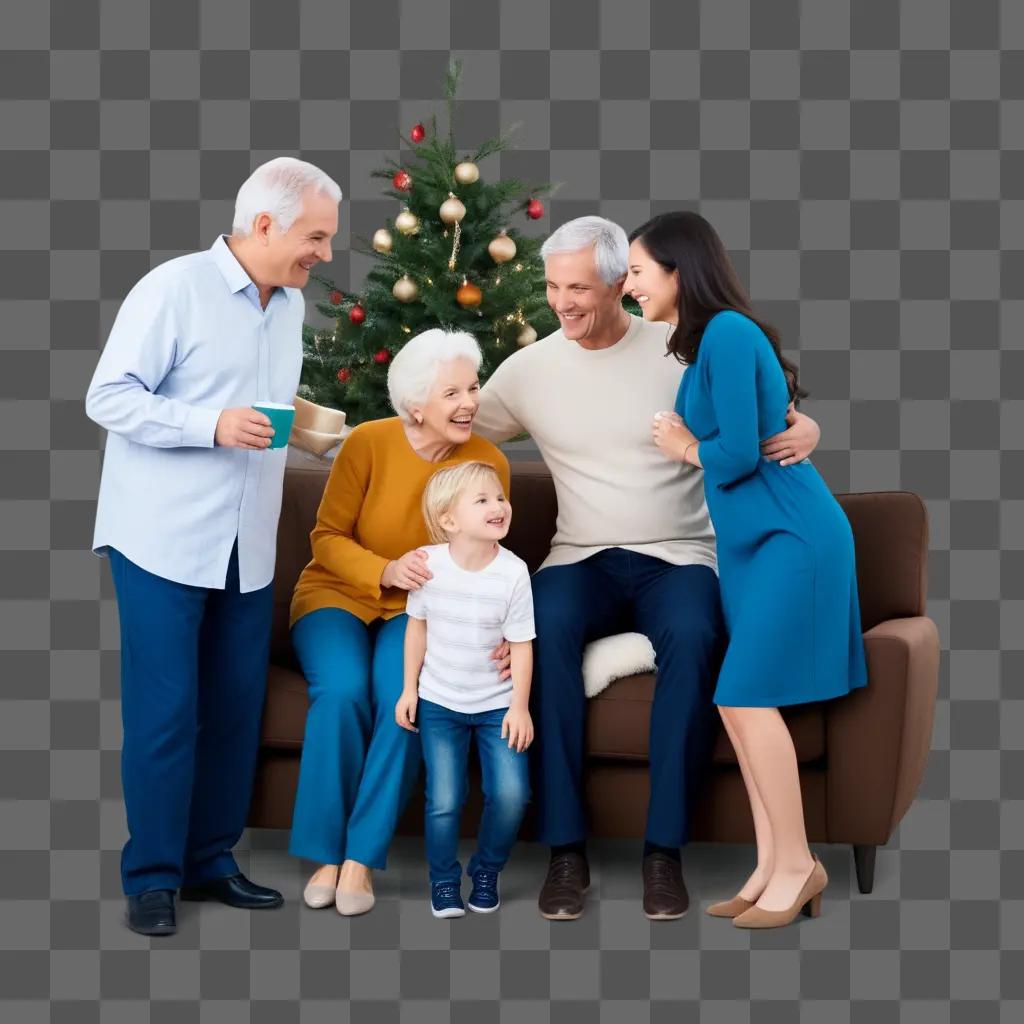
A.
x: 861, y: 757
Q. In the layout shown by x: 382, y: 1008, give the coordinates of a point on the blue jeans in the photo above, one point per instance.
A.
x: 358, y: 765
x: 505, y: 774
x: 193, y: 679
x: 616, y: 591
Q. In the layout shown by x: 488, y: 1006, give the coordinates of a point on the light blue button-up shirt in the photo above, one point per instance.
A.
x: 190, y: 340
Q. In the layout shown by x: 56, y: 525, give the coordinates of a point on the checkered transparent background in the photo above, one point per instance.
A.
x: 864, y: 161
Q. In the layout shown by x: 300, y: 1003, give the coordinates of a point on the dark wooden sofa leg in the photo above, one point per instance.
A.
x: 864, y: 861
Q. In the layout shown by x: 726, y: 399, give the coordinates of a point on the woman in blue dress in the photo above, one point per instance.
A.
x: 785, y: 548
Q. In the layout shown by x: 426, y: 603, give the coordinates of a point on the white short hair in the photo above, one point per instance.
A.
x: 611, y: 246
x: 413, y: 371
x: 277, y: 188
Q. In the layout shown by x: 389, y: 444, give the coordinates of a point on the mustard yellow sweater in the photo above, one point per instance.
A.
x: 369, y: 515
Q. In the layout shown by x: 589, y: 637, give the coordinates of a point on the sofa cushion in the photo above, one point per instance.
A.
x: 617, y: 721
x: 618, y: 724
x: 284, y: 711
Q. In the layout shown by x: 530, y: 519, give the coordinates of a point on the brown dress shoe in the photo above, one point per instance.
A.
x: 665, y: 895
x: 561, y: 898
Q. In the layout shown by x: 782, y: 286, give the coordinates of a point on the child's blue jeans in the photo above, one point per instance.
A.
x: 445, y: 737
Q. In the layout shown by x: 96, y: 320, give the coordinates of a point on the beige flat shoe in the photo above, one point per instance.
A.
x: 808, y: 901
x: 730, y: 908
x: 317, y: 895
x: 350, y: 904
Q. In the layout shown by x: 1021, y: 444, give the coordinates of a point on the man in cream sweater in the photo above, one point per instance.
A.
x: 633, y: 550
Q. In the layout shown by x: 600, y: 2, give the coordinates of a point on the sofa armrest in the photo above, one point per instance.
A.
x: 877, y: 739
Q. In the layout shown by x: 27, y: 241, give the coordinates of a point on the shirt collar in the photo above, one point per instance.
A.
x: 232, y: 271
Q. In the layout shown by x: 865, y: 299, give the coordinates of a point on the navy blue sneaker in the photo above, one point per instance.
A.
x: 484, y: 898
x: 446, y: 900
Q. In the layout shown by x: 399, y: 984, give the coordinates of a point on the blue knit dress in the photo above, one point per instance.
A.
x: 785, y: 548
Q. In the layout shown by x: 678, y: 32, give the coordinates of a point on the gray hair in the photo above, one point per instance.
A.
x: 277, y: 188
x: 611, y: 246
x: 414, y: 369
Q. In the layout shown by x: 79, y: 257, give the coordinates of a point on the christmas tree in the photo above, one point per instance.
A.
x: 448, y: 259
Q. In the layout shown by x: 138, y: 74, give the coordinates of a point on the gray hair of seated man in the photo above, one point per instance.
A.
x: 413, y: 371
x: 609, y: 241
x: 277, y: 188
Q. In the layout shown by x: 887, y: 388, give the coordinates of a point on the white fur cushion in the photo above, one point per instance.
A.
x: 612, y: 657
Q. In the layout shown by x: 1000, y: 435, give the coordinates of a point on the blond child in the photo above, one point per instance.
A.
x: 479, y: 593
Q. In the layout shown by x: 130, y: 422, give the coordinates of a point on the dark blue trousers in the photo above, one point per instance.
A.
x: 193, y: 678
x: 679, y: 610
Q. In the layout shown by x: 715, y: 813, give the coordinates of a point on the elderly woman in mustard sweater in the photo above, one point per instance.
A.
x: 348, y: 614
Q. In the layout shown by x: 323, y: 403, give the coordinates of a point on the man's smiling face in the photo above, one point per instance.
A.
x: 584, y: 303
x: 295, y: 252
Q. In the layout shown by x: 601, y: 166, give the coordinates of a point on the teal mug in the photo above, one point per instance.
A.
x: 281, y: 417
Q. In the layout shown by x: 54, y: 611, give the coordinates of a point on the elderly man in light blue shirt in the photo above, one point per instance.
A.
x: 188, y: 508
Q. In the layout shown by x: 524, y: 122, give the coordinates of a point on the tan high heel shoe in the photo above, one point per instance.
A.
x: 808, y: 901
x: 730, y: 908
x: 318, y: 895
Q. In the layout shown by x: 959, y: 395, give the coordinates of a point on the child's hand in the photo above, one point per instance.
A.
x: 405, y: 711
x: 518, y: 727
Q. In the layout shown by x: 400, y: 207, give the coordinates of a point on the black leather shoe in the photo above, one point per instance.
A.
x: 152, y: 912
x: 561, y: 897
x: 665, y: 895
x: 235, y: 891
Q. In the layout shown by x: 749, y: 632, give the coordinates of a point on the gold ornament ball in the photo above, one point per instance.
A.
x: 452, y: 210
x: 382, y: 240
x: 405, y: 289
x: 407, y: 222
x: 467, y: 172
x: 501, y: 248
x: 527, y: 336
x: 468, y: 295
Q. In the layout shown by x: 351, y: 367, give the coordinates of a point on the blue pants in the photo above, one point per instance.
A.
x: 679, y: 610
x: 193, y: 679
x: 358, y: 765
x: 506, y: 785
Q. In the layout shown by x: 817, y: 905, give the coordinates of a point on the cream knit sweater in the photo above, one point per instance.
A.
x: 590, y: 412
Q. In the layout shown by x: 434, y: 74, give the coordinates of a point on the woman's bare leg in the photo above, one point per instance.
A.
x: 771, y: 759
x: 758, y: 880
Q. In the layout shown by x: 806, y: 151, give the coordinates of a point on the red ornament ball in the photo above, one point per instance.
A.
x: 535, y: 209
x: 382, y: 355
x: 418, y: 133
x: 336, y: 297
x: 343, y: 375
x: 357, y: 315
x: 402, y: 181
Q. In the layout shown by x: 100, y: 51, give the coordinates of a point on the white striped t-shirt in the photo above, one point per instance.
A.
x: 468, y: 614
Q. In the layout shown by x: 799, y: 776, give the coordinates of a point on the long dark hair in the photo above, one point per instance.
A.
x: 708, y: 284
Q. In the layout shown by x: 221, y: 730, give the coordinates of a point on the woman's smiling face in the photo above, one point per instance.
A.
x: 452, y: 403
x: 654, y: 288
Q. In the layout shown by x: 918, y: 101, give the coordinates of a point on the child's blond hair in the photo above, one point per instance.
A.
x: 444, y: 489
